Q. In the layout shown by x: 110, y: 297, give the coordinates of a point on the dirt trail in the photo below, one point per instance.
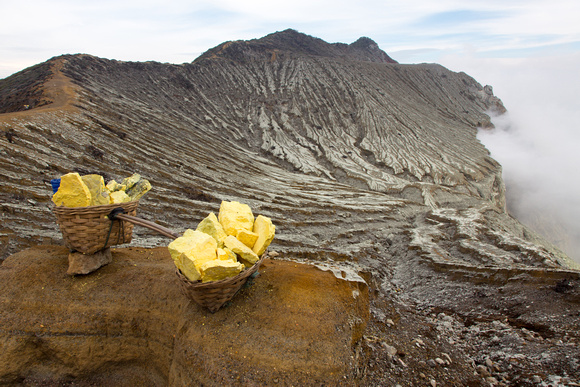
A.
x: 58, y: 91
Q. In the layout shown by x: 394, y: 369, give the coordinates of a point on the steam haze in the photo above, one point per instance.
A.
x: 537, y: 142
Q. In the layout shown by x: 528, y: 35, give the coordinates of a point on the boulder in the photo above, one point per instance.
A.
x: 130, y: 181
x: 137, y: 190
x: 128, y: 324
x: 79, y: 263
x: 113, y: 186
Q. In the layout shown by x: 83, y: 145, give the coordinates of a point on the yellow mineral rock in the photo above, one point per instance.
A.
x: 73, y: 192
x: 119, y: 197
x: 226, y: 254
x: 191, y: 251
x: 130, y: 181
x: 211, y: 226
x: 137, y: 190
x: 210, y: 253
x: 247, y: 237
x: 243, y: 251
x: 265, y: 229
x: 187, y: 266
x: 99, y: 193
x: 113, y: 186
x: 202, y: 247
x: 218, y: 269
x: 235, y: 216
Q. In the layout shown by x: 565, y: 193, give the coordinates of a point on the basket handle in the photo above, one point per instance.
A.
x: 117, y: 213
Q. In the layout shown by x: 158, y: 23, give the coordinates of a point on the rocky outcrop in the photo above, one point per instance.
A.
x: 129, y: 324
x: 366, y: 167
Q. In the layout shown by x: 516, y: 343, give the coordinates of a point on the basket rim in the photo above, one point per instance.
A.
x: 98, y: 208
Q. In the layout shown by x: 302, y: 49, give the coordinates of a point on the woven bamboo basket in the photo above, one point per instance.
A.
x: 213, y: 295
x: 88, y: 230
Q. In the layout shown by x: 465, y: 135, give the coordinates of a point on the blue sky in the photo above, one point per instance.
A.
x: 178, y: 31
x: 528, y: 50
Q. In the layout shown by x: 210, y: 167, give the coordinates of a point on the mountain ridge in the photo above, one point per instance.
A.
x: 292, y: 42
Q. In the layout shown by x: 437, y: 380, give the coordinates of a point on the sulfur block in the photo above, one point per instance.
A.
x: 196, y: 245
x: 187, y: 265
x: 119, y: 197
x: 113, y: 186
x: 247, y: 237
x: 218, y: 269
x: 265, y: 229
x: 243, y: 251
x: 235, y: 216
x: 99, y: 192
x: 137, y: 190
x: 130, y: 181
x: 211, y: 226
x: 226, y: 254
x: 73, y: 192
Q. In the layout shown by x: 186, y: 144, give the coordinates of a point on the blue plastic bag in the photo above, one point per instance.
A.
x: 55, y: 184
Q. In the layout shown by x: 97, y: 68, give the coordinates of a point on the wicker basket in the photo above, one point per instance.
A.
x: 213, y: 295
x: 88, y: 230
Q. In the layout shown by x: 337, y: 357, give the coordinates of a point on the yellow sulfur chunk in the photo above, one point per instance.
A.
x: 190, y: 251
x: 218, y: 269
x: 99, y: 193
x: 186, y: 264
x: 139, y: 189
x: 119, y: 197
x: 247, y: 237
x: 235, y: 216
x: 226, y: 254
x: 211, y: 226
x: 73, y: 192
x: 130, y: 181
x: 113, y: 186
x: 198, y: 246
x: 243, y: 251
x: 265, y: 229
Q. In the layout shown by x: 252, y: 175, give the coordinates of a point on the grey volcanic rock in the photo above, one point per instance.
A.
x: 367, y: 167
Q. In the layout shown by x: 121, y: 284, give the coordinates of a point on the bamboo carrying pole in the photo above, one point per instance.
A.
x: 145, y: 223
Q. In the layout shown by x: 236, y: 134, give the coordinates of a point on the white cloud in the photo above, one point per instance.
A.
x: 537, y: 142
x: 164, y: 31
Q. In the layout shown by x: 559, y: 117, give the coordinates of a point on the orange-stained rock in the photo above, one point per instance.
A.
x: 129, y: 324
